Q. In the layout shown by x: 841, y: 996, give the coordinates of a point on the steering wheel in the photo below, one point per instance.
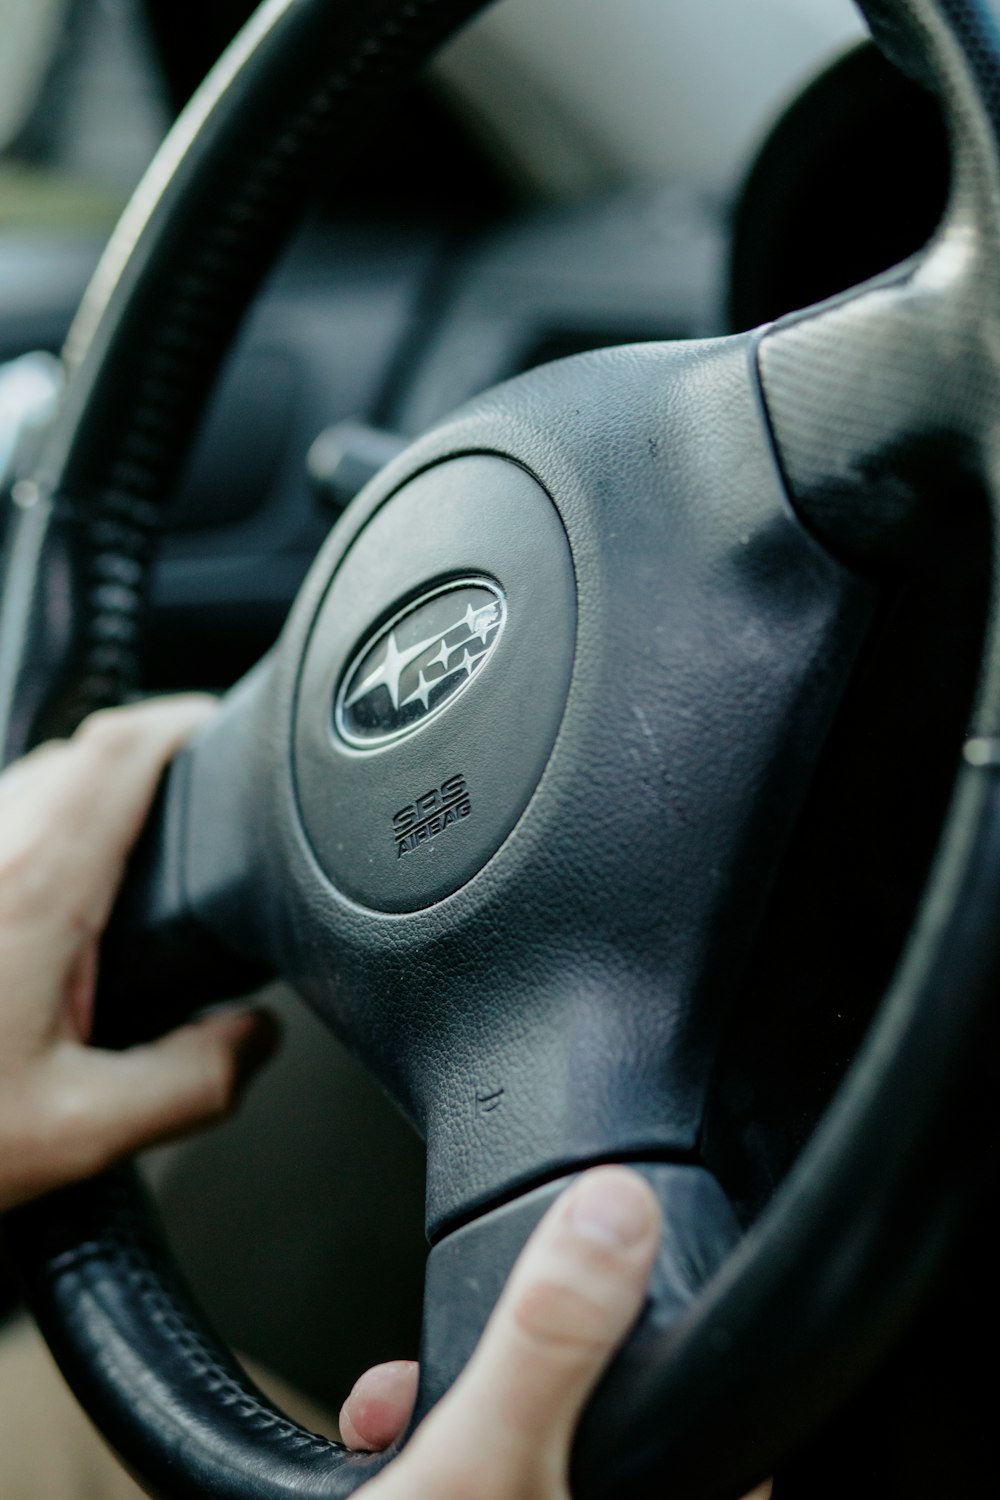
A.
x: 506, y: 801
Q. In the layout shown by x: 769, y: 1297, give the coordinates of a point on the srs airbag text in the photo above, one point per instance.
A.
x: 430, y: 815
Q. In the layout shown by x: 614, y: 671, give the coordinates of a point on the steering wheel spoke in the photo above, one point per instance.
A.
x: 196, y: 922
x: 467, y: 1270
x: 880, y: 402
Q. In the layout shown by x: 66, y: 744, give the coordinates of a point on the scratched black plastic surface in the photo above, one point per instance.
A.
x: 585, y: 971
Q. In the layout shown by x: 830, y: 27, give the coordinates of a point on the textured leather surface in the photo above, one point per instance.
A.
x: 120, y: 1321
x: 863, y: 398
x: 75, y: 578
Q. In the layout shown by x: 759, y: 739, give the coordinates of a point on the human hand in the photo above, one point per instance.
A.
x: 505, y: 1429
x: 70, y: 813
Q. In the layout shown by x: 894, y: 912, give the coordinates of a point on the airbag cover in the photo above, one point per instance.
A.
x: 434, y: 682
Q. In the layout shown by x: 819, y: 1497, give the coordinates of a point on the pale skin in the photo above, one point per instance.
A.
x: 69, y: 815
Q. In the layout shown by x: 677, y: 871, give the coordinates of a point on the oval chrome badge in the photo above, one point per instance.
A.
x: 419, y: 662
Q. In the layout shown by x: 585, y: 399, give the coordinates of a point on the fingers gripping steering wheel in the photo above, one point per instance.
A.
x: 505, y: 802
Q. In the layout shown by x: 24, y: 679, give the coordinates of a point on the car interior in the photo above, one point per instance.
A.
x: 566, y: 177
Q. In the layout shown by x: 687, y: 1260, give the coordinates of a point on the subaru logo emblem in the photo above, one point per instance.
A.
x: 418, y: 663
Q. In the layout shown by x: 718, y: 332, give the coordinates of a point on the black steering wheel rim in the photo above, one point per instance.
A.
x: 790, y: 1301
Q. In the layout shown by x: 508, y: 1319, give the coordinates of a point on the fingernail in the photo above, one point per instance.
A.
x: 260, y: 1041
x: 613, y: 1206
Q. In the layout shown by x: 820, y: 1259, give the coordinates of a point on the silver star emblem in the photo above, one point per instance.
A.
x: 440, y: 657
x: 421, y: 693
x: 391, y: 668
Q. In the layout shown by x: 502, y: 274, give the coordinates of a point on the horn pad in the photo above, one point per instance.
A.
x: 434, y: 682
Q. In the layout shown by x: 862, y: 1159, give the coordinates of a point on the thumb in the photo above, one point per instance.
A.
x: 99, y: 1107
x: 572, y: 1297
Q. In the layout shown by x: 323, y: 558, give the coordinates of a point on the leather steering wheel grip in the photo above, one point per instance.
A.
x: 852, y: 391
x: 166, y: 1393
